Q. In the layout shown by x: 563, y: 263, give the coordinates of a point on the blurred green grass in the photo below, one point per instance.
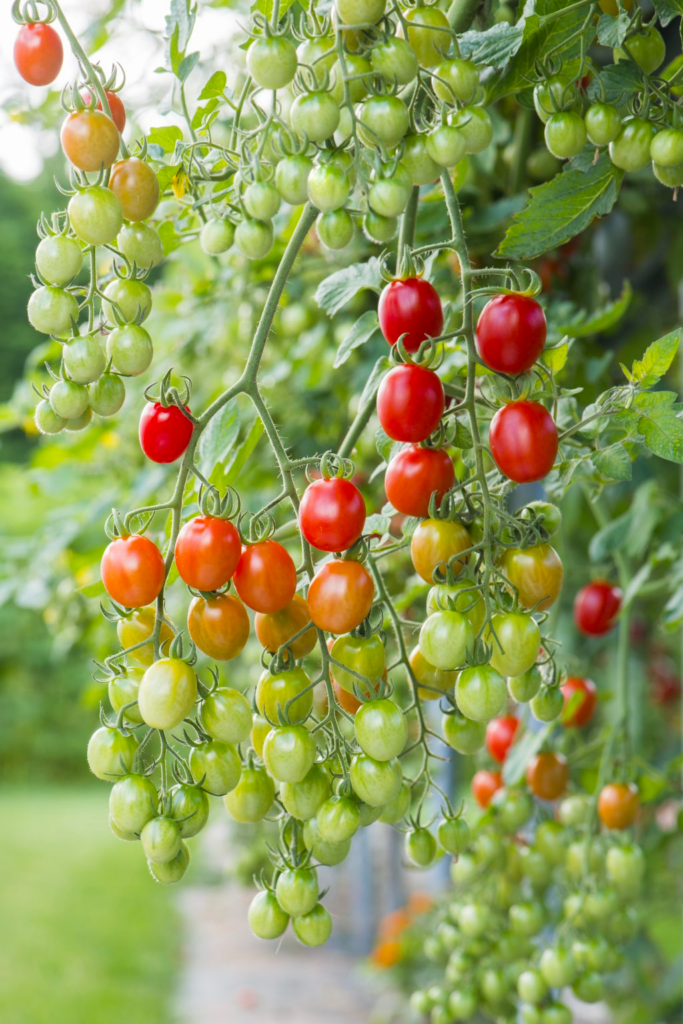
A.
x: 88, y: 938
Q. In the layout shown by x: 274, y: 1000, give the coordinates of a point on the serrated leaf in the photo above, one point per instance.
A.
x: 661, y: 426
x: 165, y: 137
x: 560, y: 209
x: 365, y: 329
x: 463, y: 436
x: 657, y: 359
x: 495, y: 47
x: 667, y: 10
x: 613, y: 462
x: 383, y: 444
x: 584, y: 325
x: 241, y: 452
x: 377, y: 523
x: 339, y: 288
x: 612, y: 29
x: 215, y: 86
x: 556, y: 358
x: 218, y: 438
x: 618, y: 82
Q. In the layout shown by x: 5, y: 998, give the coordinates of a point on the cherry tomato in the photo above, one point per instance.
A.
x: 446, y: 639
x: 133, y: 802
x: 207, y: 552
x: 618, y: 805
x: 314, y: 928
x: 362, y: 654
x: 432, y: 682
x: 141, y: 244
x: 340, y: 596
x: 583, y: 706
x: 302, y: 799
x: 136, y: 185
x: 315, y: 114
x: 219, y: 626
x: 565, y: 134
x: 252, y: 797
x: 165, y: 432
x: 535, y: 573
x: 266, y: 918
x: 462, y: 734
x: 410, y: 403
x: 630, y: 151
x: 480, y: 693
x: 273, y: 693
x: 297, y: 890
x: 596, y: 607
x: 265, y: 577
x: 484, y: 785
x: 381, y: 730
x: 90, y: 140
x: 338, y: 819
x: 547, y: 704
x: 382, y: 119
x: 395, y: 60
x: 438, y: 541
x: 131, y: 296
x: 428, y: 33
x: 38, y: 53
x: 215, y: 766
x: 500, y: 735
x: 332, y: 514
x: 167, y: 693
x: 108, y: 750
x: 277, y: 628
x: 420, y: 847
x: 116, y: 107
x: 376, y: 783
x: 173, y: 871
x: 132, y: 571
x: 272, y: 61
x: 288, y: 753
x: 410, y: 307
x: 511, y: 333
x: 547, y: 775
x: 523, y: 439
x: 461, y: 598
x: 161, y: 840
x: 190, y: 807
x: 515, y: 646
x: 414, y: 475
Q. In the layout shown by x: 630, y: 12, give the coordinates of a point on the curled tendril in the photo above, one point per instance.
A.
x: 358, y: 552
x: 332, y: 466
x: 27, y: 12
x: 168, y: 394
x: 212, y: 504
x: 255, y: 528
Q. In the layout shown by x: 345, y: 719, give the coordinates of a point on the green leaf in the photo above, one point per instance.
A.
x: 661, y: 426
x: 556, y: 358
x: 241, y: 452
x: 165, y: 137
x: 166, y: 174
x: 561, y: 209
x: 187, y: 66
x: 215, y: 86
x: 383, y: 444
x: 377, y: 523
x: 657, y: 359
x: 521, y: 753
x: 619, y: 81
x: 218, y: 438
x: 613, y: 462
x: 365, y: 329
x: 495, y: 47
x: 612, y: 30
x: 339, y: 288
x: 583, y: 325
x: 632, y: 531
x: 265, y: 7
x: 667, y: 10
x: 463, y: 436
x: 372, y: 383
x: 92, y: 589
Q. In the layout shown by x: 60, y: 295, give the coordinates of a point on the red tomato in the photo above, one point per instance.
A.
x: 90, y: 140
x: 414, y: 474
x: 666, y: 683
x: 219, y: 626
x: 265, y: 577
x: 618, y: 804
x: 332, y: 514
x: 38, y: 53
x: 118, y: 111
x: 410, y: 403
x: 165, y: 432
x: 547, y: 775
x: 523, y: 440
x: 207, y: 552
x: 511, y: 333
x: 133, y: 571
x: 500, y: 735
x: 596, y: 607
x: 484, y: 785
x: 411, y: 307
x: 583, y: 708
x: 340, y: 596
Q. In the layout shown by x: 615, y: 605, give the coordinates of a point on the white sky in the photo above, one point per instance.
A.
x: 136, y: 43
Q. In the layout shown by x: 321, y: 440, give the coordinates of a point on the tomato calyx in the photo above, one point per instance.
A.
x: 215, y: 506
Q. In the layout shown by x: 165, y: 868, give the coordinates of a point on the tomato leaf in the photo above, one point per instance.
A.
x: 617, y: 83
x: 613, y: 462
x: 583, y: 325
x: 215, y: 86
x: 612, y: 30
x: 463, y: 436
x: 667, y: 10
x: 496, y: 46
x: 365, y: 329
x: 372, y: 383
x: 657, y: 359
x: 339, y: 288
x: 660, y: 425
x: 561, y: 209
x: 556, y: 358
x: 166, y: 137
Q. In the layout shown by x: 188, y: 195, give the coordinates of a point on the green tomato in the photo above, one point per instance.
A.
x: 542, y: 165
x: 274, y: 692
x: 515, y: 641
x: 456, y: 80
x: 446, y: 145
x: 252, y: 797
x: 297, y: 891
x: 226, y: 715
x: 81, y: 422
x: 133, y: 802
x: 565, y: 134
x: 161, y: 840
x: 420, y: 847
x: 474, y: 920
x: 480, y: 693
x: 552, y: 96
x: 315, y: 115
x: 417, y: 161
x: 141, y: 245
x: 272, y: 62
x: 574, y: 810
x: 289, y: 753
x: 476, y: 127
x: 464, y: 870
x: 379, y: 229
x: 254, y: 238
x: 523, y: 688
x: 647, y: 49
x: 535, y: 867
x: 360, y: 12
x: 365, y: 656
x: 130, y: 350
x: 132, y: 298
x: 526, y: 919
x: 261, y: 200
x: 548, y: 703
x: 173, y: 870
x: 328, y: 187
x: 543, y: 514
x: 96, y: 215
x: 215, y: 766
x: 168, y: 692
x: 327, y: 853
x: 626, y: 868
x: 672, y: 177
x: 381, y: 730
x: 376, y: 783
x: 314, y: 928
x: 303, y: 799
x: 531, y: 987
x: 267, y: 919
x: 453, y: 835
x: 630, y: 151
x: 357, y: 70
x: 383, y: 119
x: 111, y: 753
x: 189, y: 806
x: 123, y: 690
x: 463, y: 734
x: 556, y: 1013
x: 589, y: 988
x: 396, y: 809
x: 335, y: 229
x: 514, y: 806
x: 551, y: 840
x: 338, y: 819
x: 603, y: 123
x: 395, y: 60
x: 583, y: 857
x: 429, y: 34
x: 127, y: 837
x: 291, y: 178
x: 46, y: 419
x: 666, y: 148
x: 59, y: 259
x: 319, y: 55
x: 84, y: 359
x: 446, y: 640
x: 217, y: 236
x: 494, y: 986
x: 557, y: 967
x: 389, y: 195
x: 107, y: 395
x: 463, y: 1003
x: 52, y: 310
